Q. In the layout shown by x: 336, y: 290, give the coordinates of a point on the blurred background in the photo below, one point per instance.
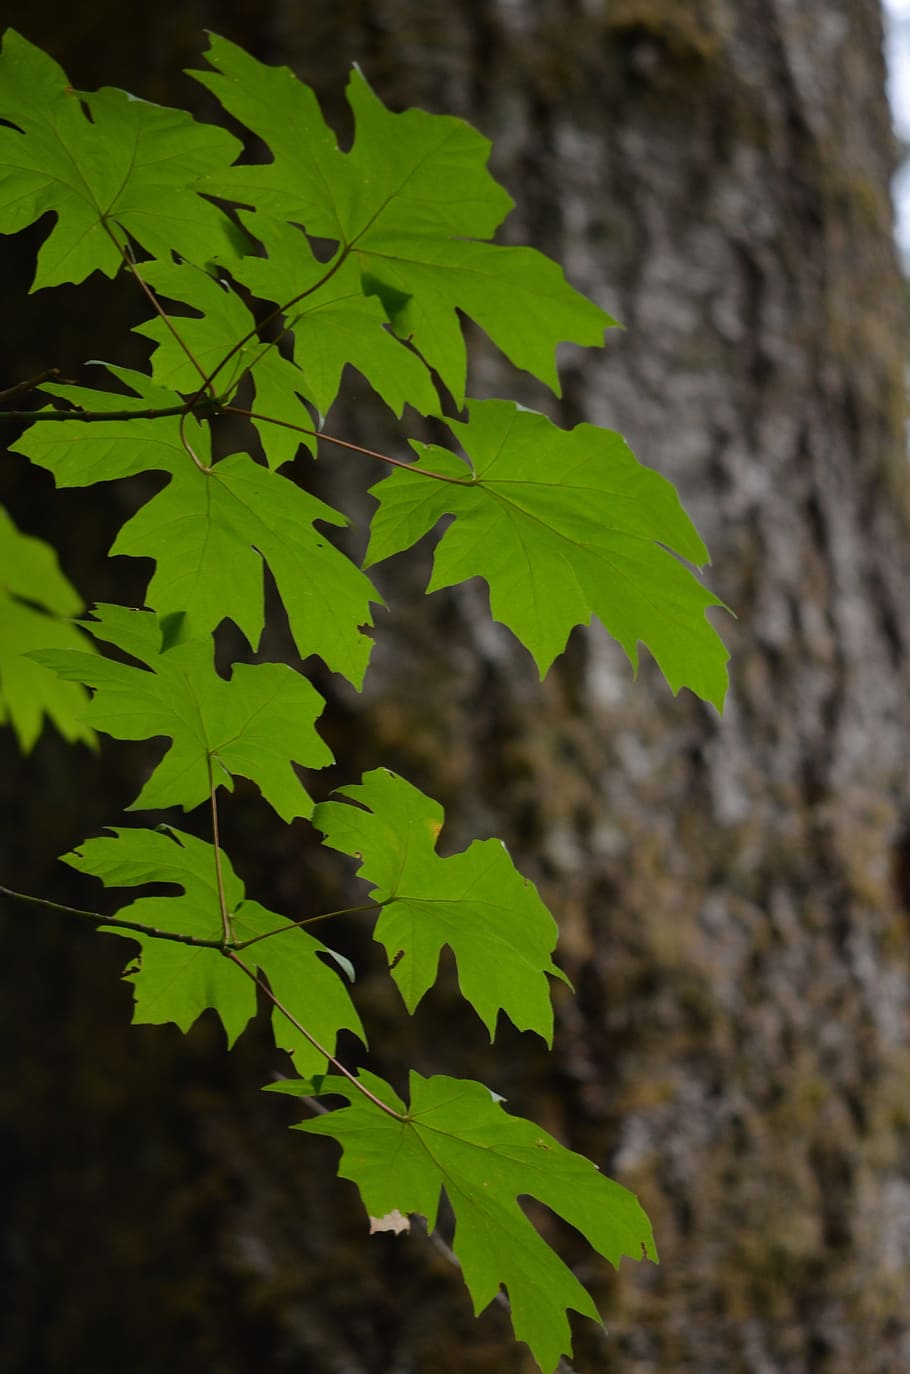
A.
x: 734, y: 895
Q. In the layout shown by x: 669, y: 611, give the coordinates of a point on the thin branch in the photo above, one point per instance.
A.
x: 136, y: 926
x: 219, y: 875
x: 336, y: 1063
x: 157, y: 934
x: 354, y: 448
x: 160, y: 413
x: 47, y: 375
x: 197, y: 400
x: 307, y: 921
x: 180, y: 341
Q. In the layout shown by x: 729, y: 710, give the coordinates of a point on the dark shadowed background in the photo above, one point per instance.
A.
x: 734, y: 895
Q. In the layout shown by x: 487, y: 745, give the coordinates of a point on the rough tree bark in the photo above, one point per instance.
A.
x: 734, y: 894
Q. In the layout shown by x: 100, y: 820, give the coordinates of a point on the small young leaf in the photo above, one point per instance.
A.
x: 475, y: 902
x: 34, y: 596
x: 561, y: 524
x: 254, y: 725
x: 457, y: 1138
x: 176, y: 982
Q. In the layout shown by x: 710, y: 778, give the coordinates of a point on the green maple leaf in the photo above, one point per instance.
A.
x: 412, y: 202
x: 334, y: 324
x: 209, y: 531
x: 254, y: 724
x: 35, y: 598
x: 79, y: 454
x: 561, y: 525
x: 475, y: 902
x: 456, y: 1137
x: 133, y: 168
x: 223, y: 321
x: 176, y: 982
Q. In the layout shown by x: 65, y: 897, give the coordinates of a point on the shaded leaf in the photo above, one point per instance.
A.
x: 255, y: 724
x: 35, y: 599
x: 333, y: 324
x: 207, y: 339
x: 133, y: 168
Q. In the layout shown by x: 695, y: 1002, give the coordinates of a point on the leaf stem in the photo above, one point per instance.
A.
x: 354, y: 448
x: 188, y: 447
x: 129, y: 260
x: 120, y: 924
x: 270, y: 319
x: 307, y: 921
x: 336, y: 1063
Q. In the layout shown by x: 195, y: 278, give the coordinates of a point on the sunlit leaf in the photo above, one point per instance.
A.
x: 562, y: 525
x: 475, y: 902
x: 177, y: 982
x: 454, y: 1137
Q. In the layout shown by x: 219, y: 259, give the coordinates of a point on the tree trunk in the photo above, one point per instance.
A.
x: 734, y: 893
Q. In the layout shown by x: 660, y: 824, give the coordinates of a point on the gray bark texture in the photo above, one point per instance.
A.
x: 734, y: 893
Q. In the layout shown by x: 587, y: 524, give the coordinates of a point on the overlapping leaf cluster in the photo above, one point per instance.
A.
x: 562, y: 525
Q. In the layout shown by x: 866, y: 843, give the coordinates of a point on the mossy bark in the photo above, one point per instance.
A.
x: 734, y: 894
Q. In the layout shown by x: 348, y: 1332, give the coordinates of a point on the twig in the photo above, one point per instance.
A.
x: 336, y: 1063
x: 120, y: 924
x: 188, y: 447
x: 30, y: 383
x: 160, y: 413
x: 157, y: 934
x: 316, y: 1107
x: 354, y: 448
